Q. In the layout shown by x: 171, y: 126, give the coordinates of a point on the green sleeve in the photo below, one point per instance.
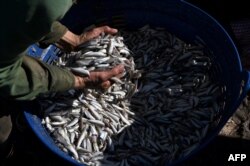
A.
x: 26, y: 22
x: 57, y: 30
x: 28, y: 77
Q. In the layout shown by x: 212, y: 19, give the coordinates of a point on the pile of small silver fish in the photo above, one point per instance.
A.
x: 158, y: 112
x: 82, y: 122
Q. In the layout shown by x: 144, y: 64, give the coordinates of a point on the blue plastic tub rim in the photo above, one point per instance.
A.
x: 35, y: 122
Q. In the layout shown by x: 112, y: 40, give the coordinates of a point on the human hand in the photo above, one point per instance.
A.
x: 71, y: 41
x: 95, y: 32
x: 98, y: 79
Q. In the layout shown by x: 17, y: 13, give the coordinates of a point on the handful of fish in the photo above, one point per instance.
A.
x: 158, y: 112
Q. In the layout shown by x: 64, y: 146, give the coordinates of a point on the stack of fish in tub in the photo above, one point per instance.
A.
x: 164, y: 104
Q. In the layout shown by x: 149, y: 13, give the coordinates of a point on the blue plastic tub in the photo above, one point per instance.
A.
x: 178, y: 17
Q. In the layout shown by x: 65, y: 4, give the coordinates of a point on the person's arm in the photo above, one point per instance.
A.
x: 27, y: 77
x: 68, y: 41
x: 22, y: 77
x: 25, y: 22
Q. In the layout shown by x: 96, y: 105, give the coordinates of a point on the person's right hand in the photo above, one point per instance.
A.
x: 98, y: 79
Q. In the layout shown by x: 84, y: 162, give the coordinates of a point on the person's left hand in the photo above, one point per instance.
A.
x: 71, y: 41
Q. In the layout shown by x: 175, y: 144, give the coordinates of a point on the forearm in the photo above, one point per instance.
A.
x: 57, y: 31
x: 61, y: 37
x: 29, y: 77
x: 21, y: 77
